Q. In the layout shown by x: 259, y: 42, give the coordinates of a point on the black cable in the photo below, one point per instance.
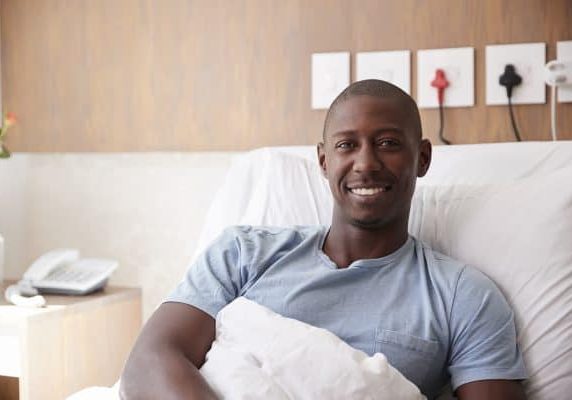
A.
x: 509, y: 79
x: 442, y: 125
x: 512, y: 120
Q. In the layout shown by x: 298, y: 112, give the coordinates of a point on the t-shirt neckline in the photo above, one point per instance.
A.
x: 363, y: 263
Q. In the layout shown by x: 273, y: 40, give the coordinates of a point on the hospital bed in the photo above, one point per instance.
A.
x: 505, y: 208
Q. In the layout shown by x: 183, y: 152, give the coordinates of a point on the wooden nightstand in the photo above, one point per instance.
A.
x: 76, y: 341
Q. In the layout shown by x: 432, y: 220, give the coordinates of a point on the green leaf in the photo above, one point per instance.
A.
x: 4, y: 152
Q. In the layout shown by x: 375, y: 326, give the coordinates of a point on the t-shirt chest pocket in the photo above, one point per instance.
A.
x: 413, y: 356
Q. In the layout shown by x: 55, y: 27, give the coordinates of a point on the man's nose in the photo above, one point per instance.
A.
x: 367, y: 159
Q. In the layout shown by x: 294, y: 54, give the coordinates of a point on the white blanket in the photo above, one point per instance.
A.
x: 259, y: 354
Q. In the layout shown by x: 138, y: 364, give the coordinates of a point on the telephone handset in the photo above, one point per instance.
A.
x: 48, y: 262
x: 62, y: 272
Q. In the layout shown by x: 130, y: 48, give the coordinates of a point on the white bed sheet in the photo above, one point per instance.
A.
x: 472, y: 193
x: 505, y: 208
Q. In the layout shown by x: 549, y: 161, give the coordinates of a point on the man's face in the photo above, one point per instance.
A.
x: 371, y: 156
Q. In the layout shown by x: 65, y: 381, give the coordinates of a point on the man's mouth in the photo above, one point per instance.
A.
x: 370, y: 191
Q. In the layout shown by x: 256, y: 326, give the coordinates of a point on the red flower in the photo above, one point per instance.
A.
x: 10, y: 119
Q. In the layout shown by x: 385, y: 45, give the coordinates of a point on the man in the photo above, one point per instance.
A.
x: 364, y: 279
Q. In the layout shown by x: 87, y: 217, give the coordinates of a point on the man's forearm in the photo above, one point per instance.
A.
x: 167, y: 375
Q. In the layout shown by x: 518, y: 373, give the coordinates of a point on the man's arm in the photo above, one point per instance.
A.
x: 491, y: 390
x: 165, y: 359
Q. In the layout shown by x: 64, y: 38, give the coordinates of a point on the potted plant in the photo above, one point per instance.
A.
x: 8, y: 120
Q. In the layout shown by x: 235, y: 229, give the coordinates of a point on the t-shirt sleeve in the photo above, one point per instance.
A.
x: 215, y: 278
x: 483, y: 335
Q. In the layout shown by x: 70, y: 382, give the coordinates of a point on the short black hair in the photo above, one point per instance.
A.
x: 380, y: 89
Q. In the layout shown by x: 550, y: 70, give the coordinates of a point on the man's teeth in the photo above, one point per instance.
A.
x: 367, y: 191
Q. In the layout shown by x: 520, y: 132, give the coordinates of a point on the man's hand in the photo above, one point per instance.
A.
x: 491, y: 390
x: 165, y: 359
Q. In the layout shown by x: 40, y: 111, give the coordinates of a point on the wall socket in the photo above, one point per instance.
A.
x: 391, y: 66
x: 529, y: 60
x: 459, y: 67
x: 564, y: 53
x: 330, y: 75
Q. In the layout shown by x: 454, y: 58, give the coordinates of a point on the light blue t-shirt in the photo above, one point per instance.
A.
x: 434, y: 318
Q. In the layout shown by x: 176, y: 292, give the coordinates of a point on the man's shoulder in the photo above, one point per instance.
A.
x: 269, y: 238
x: 454, y: 271
x: 438, y: 263
x: 272, y: 232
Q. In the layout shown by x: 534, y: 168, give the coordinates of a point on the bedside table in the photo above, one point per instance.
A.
x: 74, y: 342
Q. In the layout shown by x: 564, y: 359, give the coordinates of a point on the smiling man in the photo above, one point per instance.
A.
x: 364, y: 278
x: 372, y: 154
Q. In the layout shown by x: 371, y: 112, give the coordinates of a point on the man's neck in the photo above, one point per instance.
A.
x: 348, y: 243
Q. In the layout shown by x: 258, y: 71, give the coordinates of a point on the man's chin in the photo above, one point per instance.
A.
x: 368, y: 223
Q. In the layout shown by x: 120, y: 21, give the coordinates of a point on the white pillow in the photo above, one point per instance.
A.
x: 97, y: 393
x: 520, y: 235
x: 259, y: 354
x: 268, y: 187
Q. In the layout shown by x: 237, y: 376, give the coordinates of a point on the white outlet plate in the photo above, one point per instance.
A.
x: 330, y: 75
x: 459, y: 66
x: 529, y: 60
x: 391, y: 66
x: 564, y: 52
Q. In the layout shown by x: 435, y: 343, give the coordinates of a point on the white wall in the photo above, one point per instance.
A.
x: 144, y: 209
x: 147, y: 209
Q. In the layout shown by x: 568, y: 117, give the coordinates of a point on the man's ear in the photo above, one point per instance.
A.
x: 322, y: 158
x: 425, y: 151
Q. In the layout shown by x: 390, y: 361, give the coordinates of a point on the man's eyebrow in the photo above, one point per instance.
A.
x: 350, y: 132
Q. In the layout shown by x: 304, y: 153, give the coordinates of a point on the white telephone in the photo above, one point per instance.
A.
x: 62, y: 272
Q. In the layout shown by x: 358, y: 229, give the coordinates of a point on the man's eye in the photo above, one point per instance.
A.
x: 344, y: 145
x: 388, y: 143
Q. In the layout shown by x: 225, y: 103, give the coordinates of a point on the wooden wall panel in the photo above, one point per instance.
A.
x: 139, y: 75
